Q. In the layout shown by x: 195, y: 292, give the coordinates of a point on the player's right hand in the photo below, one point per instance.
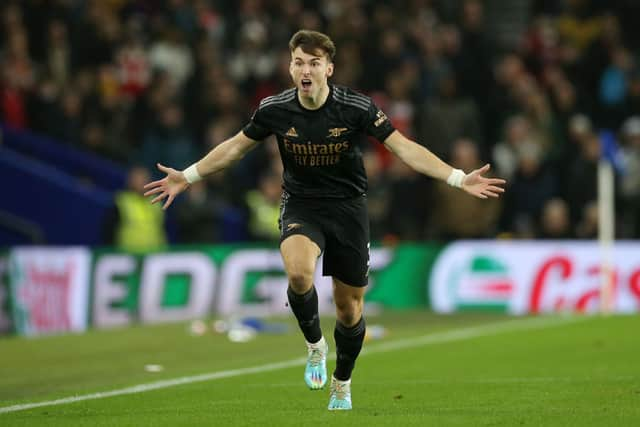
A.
x: 168, y: 187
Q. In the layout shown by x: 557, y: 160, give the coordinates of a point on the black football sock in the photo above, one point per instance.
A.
x: 305, y: 308
x: 348, y: 345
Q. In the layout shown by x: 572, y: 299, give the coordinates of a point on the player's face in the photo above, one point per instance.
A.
x: 310, y: 72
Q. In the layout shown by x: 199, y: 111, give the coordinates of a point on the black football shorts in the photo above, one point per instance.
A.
x: 340, y: 227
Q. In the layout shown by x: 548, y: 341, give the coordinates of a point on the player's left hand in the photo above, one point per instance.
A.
x: 482, y: 187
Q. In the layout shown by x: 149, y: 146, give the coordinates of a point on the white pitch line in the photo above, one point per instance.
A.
x: 430, y: 339
x: 471, y: 332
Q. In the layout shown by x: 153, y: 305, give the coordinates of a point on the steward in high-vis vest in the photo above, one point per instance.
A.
x: 141, y: 225
x: 135, y: 225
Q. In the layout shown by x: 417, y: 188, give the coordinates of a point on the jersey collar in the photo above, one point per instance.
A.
x: 322, y: 107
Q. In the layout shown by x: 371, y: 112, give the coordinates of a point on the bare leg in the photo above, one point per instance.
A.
x: 299, y: 254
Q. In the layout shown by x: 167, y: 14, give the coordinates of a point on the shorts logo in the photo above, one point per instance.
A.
x: 336, y: 132
x: 292, y: 132
x: 293, y: 226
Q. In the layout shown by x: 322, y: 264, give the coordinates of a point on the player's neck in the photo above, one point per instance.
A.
x: 315, y: 102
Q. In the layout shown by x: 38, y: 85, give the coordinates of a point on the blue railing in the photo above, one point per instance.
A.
x: 62, y: 194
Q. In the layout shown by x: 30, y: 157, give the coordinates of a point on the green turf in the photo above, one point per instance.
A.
x: 579, y: 373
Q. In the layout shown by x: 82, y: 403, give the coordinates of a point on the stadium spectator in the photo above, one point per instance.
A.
x: 457, y: 217
x: 378, y: 197
x: 133, y: 67
x: 501, y: 103
x: 169, y: 140
x: 579, y: 129
x: 555, y: 222
x: 95, y: 138
x: 583, y: 177
x: 172, y: 54
x: 18, y: 79
x: 98, y: 74
x: 472, y: 63
x: 630, y: 181
x: 58, y: 60
x: 531, y: 187
x: 264, y: 207
x: 133, y: 224
x: 252, y: 61
x: 614, y: 85
x: 69, y: 128
x: 389, y: 53
x: 200, y: 214
x: 408, y: 216
x: 587, y: 228
x: 505, y: 153
x: 448, y: 117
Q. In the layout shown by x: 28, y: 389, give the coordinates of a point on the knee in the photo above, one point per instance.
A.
x: 300, y: 281
x: 349, y: 310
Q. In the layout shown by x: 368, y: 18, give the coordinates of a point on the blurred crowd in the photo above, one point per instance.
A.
x: 526, y: 85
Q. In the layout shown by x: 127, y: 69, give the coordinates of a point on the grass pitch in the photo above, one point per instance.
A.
x: 465, y: 370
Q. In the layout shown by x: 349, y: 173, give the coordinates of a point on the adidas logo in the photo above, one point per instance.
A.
x: 292, y: 132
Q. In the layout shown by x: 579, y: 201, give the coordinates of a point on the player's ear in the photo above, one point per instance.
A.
x: 330, y: 69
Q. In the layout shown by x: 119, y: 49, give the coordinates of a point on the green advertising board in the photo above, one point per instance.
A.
x: 54, y: 290
x: 195, y: 281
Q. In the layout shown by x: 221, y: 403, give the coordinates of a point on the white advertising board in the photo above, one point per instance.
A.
x: 532, y: 277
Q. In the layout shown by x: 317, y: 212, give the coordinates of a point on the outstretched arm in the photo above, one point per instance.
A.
x: 220, y: 158
x: 424, y: 161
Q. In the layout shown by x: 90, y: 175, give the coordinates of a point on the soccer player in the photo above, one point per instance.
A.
x: 321, y: 129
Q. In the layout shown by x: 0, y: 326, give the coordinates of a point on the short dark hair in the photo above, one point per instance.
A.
x: 310, y: 41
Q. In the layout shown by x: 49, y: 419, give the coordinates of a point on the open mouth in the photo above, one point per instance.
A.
x: 306, y: 84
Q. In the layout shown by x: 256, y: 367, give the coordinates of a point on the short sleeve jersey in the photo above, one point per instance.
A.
x: 321, y: 149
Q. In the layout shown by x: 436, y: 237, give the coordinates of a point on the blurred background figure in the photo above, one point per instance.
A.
x: 555, y: 222
x: 199, y: 215
x: 169, y: 141
x: 133, y: 224
x: 517, y: 131
x: 409, y: 198
x: 264, y: 207
x: 629, y: 197
x: 587, y: 228
x: 531, y: 187
x: 582, y: 177
x: 456, y: 217
x: 448, y: 117
x: 378, y: 195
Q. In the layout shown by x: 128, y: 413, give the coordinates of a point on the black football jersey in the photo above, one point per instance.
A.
x: 321, y: 149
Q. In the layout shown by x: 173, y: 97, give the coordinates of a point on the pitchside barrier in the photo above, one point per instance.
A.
x: 58, y: 289
x: 54, y: 179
